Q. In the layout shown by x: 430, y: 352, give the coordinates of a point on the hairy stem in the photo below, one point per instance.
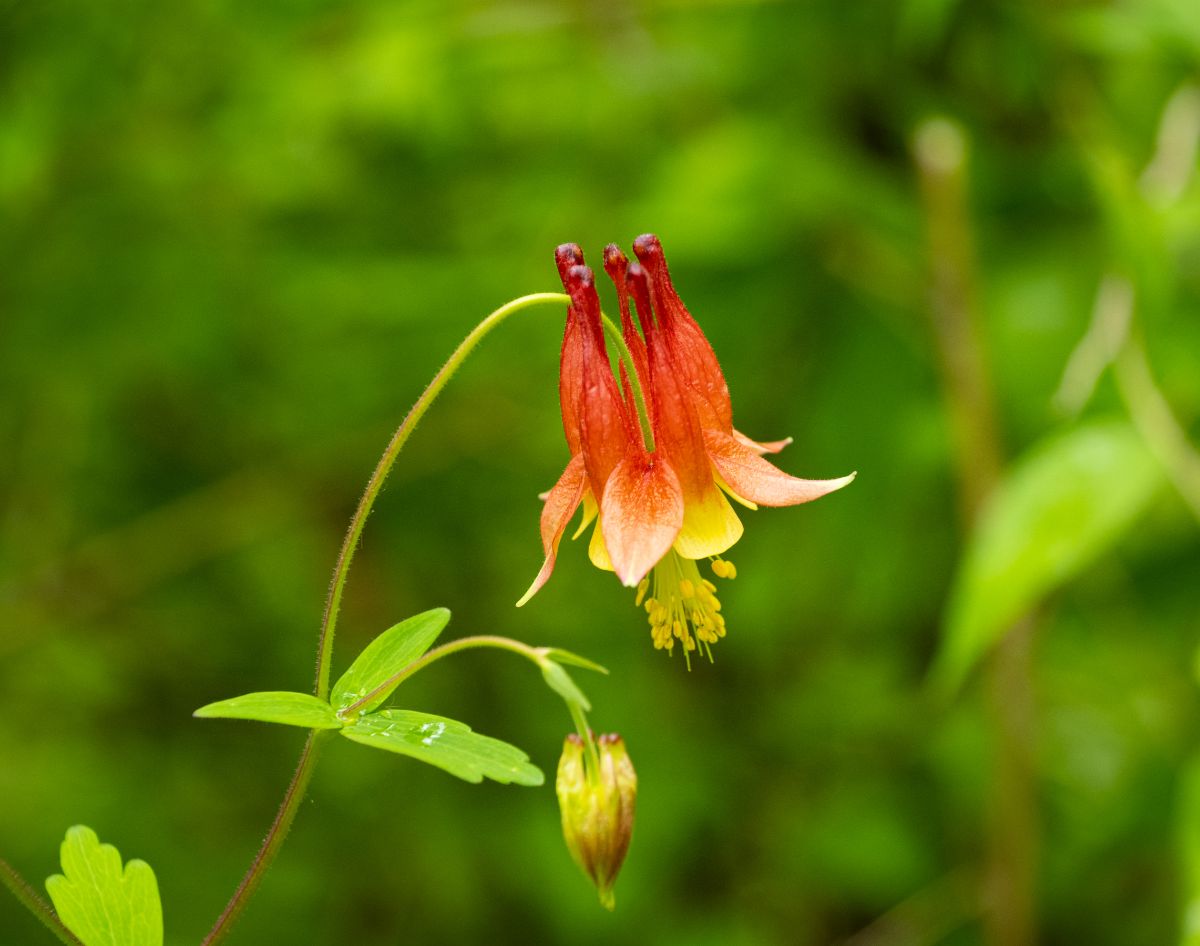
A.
x: 294, y: 794
x: 359, y: 520
x: 276, y: 835
x: 35, y: 904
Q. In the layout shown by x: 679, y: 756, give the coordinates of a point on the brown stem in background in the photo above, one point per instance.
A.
x: 1012, y: 829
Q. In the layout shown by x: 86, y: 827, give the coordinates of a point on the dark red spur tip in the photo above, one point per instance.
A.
x: 566, y: 256
x: 581, y: 276
x: 647, y: 247
x: 614, y: 260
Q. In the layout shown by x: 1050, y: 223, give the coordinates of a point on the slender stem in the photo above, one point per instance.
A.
x: 35, y: 904
x: 375, y: 484
x: 276, y: 835
x: 536, y: 654
x: 294, y: 794
x: 615, y: 336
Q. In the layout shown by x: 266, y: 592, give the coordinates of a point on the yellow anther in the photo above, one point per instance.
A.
x: 730, y: 570
x: 685, y: 607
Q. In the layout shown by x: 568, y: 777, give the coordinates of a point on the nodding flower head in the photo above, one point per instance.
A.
x: 658, y: 486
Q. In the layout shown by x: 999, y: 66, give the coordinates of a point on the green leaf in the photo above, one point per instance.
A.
x: 384, y: 657
x: 290, y: 709
x: 561, y: 683
x: 98, y: 902
x: 446, y: 743
x: 1060, y: 508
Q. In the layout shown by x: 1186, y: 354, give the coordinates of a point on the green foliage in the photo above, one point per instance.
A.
x: 276, y: 706
x: 1064, y: 504
x: 389, y: 653
x: 238, y: 238
x: 436, y: 740
x: 99, y: 902
x: 445, y: 743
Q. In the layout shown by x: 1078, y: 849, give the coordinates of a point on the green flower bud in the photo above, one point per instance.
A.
x: 597, y: 808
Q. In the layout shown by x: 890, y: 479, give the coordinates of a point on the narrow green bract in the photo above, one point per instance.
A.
x: 99, y: 902
x: 561, y: 683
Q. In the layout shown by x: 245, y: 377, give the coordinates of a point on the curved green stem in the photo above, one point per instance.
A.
x: 536, y: 654
x: 35, y: 904
x: 384, y: 467
x: 615, y: 336
x: 294, y: 793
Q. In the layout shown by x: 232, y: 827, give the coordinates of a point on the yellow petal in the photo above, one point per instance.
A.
x: 598, y: 551
x: 710, y: 526
x: 590, y: 509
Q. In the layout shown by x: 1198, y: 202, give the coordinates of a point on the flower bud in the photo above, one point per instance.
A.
x: 597, y: 808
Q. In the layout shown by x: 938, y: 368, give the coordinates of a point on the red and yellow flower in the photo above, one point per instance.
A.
x: 661, y: 503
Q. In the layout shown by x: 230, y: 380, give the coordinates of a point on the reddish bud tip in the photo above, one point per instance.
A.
x: 566, y: 256
x: 614, y: 257
x: 580, y: 277
x: 615, y: 263
x: 647, y: 246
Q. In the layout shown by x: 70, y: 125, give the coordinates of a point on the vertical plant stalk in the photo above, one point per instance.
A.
x: 940, y: 152
x: 1156, y: 422
x: 294, y: 794
x: 35, y: 904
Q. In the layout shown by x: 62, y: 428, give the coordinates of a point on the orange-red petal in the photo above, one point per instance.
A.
x: 752, y: 477
x: 694, y: 356
x: 766, y: 446
x: 641, y: 513
x: 561, y: 502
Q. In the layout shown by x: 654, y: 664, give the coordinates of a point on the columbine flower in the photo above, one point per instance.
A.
x: 597, y: 806
x: 660, y: 509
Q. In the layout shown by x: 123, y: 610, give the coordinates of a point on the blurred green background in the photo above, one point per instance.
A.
x: 238, y: 239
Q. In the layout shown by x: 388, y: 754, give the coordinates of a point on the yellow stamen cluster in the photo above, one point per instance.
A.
x: 684, y: 607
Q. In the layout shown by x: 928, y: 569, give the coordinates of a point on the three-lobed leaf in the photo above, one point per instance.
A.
x: 1061, y: 507
x: 101, y: 903
x: 384, y: 657
x: 283, y: 706
x: 445, y: 743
